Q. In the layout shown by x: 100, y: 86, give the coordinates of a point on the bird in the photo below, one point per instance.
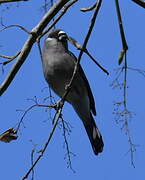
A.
x: 58, y: 66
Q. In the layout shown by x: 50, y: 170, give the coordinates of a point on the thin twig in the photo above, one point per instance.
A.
x: 103, y: 69
x: 127, y: 130
x: 39, y: 48
x: 89, y: 8
x: 78, y: 46
x: 30, y: 108
x: 125, y: 82
x: 122, y: 114
x: 11, y: 58
x: 68, y: 152
x: 16, y: 26
x: 141, y: 71
x: 56, y: 118
x: 32, y: 162
x: 115, y: 83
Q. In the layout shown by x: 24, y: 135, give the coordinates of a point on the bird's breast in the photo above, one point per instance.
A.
x: 58, y: 72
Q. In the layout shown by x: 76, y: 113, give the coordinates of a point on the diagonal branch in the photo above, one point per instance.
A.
x: 64, y: 10
x: 78, y: 46
x: 16, y: 26
x: 124, y: 43
x: 140, y: 3
x: 56, y: 118
x: 92, y: 7
x: 36, y: 31
x: 68, y: 87
x: 9, y: 1
x: 29, y: 109
x: 10, y: 58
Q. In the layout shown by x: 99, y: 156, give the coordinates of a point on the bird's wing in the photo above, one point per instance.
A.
x: 90, y: 94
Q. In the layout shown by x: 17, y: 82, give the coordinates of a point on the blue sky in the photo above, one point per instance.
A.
x: 104, y: 45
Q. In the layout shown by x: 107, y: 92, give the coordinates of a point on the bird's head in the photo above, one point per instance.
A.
x: 56, y: 37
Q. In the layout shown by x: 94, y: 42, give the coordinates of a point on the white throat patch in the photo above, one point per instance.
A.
x: 49, y: 39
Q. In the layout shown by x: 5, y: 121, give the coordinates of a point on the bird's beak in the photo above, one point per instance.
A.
x: 62, y: 36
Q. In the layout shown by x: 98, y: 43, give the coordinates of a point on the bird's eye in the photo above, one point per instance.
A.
x: 62, y: 35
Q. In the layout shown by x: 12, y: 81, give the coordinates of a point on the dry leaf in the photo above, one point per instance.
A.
x: 8, y: 135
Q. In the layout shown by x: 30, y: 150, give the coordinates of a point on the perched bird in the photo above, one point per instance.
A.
x: 58, y: 66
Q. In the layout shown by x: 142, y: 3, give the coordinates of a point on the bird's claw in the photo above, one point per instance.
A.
x: 59, y: 104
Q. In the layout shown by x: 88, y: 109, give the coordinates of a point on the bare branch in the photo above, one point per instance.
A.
x: 32, y: 160
x: 11, y: 58
x: 56, y: 118
x: 140, y: 3
x: 9, y: 1
x: 115, y: 83
x: 17, y: 26
x: 64, y: 10
x: 122, y: 114
x: 36, y: 31
x: 124, y: 43
x: 68, y: 152
x: 78, y: 46
x: 103, y: 69
x: 89, y: 8
x: 39, y: 48
x: 142, y: 72
x: 30, y: 108
x: 125, y: 83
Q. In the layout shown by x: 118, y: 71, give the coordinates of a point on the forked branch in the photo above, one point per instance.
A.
x: 35, y: 33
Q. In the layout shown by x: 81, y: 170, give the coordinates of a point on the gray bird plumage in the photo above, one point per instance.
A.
x: 58, y: 66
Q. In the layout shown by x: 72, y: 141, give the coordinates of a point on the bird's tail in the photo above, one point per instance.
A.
x: 94, y: 136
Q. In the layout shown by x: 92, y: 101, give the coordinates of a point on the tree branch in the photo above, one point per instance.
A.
x: 36, y: 31
x: 29, y: 109
x: 64, y: 10
x: 9, y: 1
x: 68, y: 87
x: 56, y: 118
x: 78, y: 46
x: 124, y: 43
x: 140, y: 3
x: 16, y: 26
x: 66, y: 130
x: 89, y: 8
x: 10, y: 58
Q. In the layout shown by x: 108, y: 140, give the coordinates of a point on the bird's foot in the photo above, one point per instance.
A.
x: 59, y: 104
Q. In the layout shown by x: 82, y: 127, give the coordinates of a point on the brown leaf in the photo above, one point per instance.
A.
x: 8, y: 135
